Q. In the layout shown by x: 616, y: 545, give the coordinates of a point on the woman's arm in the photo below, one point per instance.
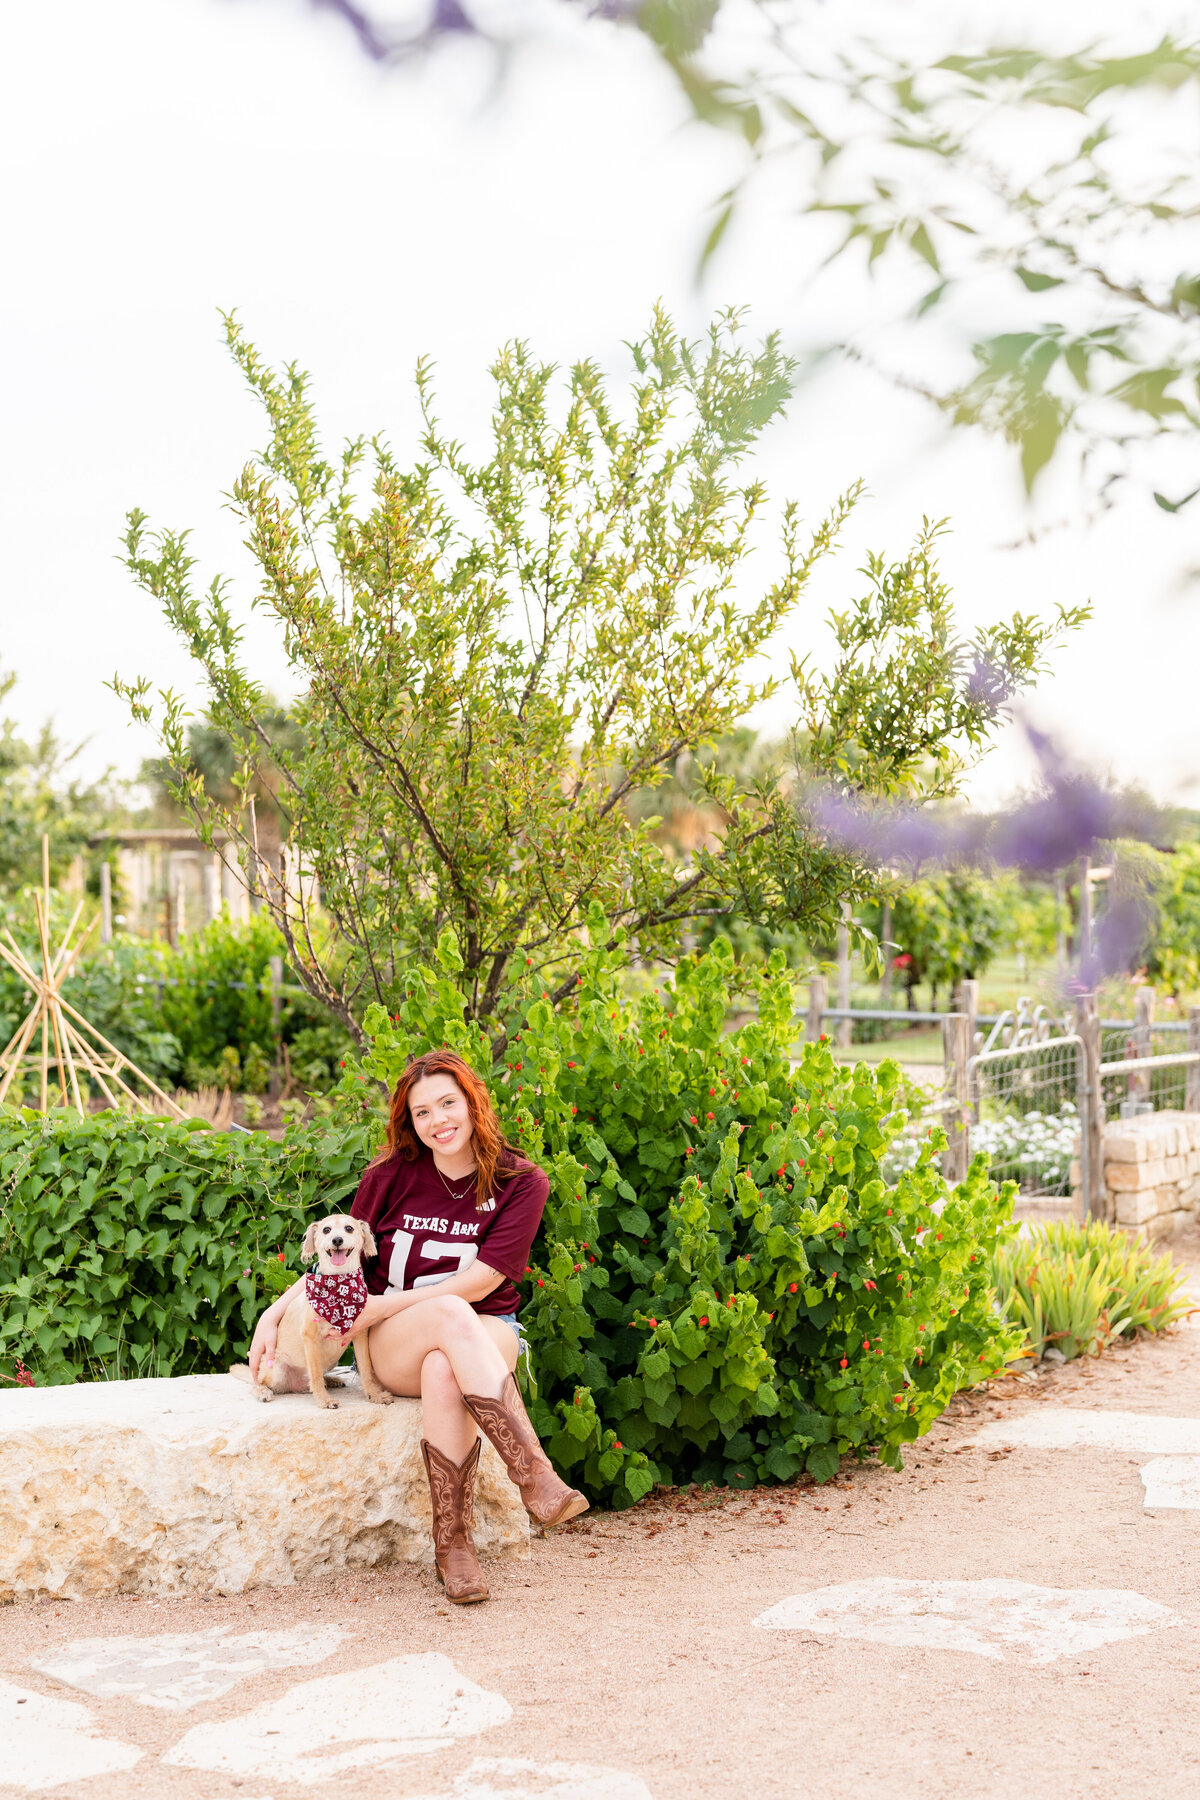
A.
x: 470, y: 1284
x: 266, y: 1332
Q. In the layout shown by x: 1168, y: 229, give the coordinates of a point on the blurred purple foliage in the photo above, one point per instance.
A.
x: 446, y: 17
x: 1073, y: 816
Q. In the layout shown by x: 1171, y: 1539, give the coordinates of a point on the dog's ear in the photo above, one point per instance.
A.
x: 308, y: 1248
x: 368, y: 1237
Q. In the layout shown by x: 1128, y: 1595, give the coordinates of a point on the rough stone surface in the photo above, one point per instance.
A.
x: 1151, y: 1165
x: 1087, y: 1428
x: 174, y: 1671
x: 517, y: 1778
x: 320, y: 1730
x: 1172, y: 1482
x: 992, y: 1618
x: 193, y: 1486
x: 51, y: 1743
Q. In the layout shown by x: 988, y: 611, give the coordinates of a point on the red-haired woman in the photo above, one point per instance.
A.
x: 453, y: 1209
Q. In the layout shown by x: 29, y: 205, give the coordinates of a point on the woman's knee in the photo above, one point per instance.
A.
x: 450, y: 1312
x: 437, y: 1379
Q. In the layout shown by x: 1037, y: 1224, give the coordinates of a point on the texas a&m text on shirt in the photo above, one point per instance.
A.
x: 424, y: 1233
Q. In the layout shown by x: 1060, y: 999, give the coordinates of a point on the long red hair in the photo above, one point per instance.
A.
x: 495, y: 1158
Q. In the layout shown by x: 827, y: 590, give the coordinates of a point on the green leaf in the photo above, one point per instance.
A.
x: 1036, y: 283
x: 823, y: 1462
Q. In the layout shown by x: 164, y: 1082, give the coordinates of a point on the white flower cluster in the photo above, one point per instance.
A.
x: 1032, y: 1148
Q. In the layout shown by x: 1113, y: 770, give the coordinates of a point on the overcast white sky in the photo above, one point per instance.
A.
x: 162, y: 160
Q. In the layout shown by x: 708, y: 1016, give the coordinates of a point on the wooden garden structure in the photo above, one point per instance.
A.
x: 70, y: 1046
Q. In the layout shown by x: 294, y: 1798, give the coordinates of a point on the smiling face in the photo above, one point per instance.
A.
x: 338, y: 1244
x: 440, y: 1115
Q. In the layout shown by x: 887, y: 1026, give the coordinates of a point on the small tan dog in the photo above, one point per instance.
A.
x: 314, y: 1329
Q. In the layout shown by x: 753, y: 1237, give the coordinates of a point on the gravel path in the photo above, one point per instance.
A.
x: 623, y: 1662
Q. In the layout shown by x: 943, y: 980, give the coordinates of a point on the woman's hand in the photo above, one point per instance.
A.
x: 266, y: 1332
x: 266, y: 1336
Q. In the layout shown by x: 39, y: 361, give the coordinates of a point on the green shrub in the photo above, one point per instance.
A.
x: 1173, y: 955
x: 1075, y: 1288
x: 724, y: 1288
x: 216, y: 997
x: 132, y: 1247
x: 947, y: 927
x: 317, y: 1054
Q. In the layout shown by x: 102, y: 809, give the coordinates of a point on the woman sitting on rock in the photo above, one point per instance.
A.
x: 453, y: 1209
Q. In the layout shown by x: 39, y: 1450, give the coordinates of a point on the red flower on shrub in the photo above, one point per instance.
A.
x: 23, y: 1377
x: 844, y: 1363
x: 903, y: 961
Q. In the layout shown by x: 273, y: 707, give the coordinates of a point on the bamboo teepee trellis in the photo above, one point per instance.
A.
x: 78, y: 1047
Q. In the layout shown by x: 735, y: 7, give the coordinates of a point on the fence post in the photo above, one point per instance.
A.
x: 817, y: 1002
x: 845, y: 1027
x: 966, y: 1001
x: 885, y: 948
x: 1191, y: 1101
x: 1089, y: 1103
x: 275, y: 965
x: 956, y: 1049
x: 106, y: 922
x: 1083, y: 933
x: 1143, y: 1039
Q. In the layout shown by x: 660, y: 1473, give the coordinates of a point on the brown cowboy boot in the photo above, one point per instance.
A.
x: 506, y: 1423
x: 452, y: 1489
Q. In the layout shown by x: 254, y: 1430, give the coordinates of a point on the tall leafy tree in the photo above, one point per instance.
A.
x: 493, y: 656
x: 1062, y: 288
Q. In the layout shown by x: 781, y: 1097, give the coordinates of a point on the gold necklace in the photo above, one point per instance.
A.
x: 456, y: 1197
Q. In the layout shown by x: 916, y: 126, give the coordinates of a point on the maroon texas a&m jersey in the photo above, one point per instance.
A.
x: 423, y: 1234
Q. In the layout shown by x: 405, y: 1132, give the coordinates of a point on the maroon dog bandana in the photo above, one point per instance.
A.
x: 338, y: 1299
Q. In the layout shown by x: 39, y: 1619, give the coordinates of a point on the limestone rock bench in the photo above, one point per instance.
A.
x: 192, y: 1486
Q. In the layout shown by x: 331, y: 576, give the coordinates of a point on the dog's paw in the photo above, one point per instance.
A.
x: 329, y: 1404
x: 382, y: 1398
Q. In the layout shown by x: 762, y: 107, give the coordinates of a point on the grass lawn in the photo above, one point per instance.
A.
x: 924, y: 1046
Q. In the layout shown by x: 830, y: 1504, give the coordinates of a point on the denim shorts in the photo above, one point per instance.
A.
x: 511, y: 1319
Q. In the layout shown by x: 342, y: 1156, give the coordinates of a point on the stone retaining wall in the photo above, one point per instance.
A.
x: 192, y: 1486
x: 1152, y: 1172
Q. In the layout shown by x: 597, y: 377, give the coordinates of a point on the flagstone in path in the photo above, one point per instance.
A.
x: 47, y: 1743
x: 407, y: 1707
x: 996, y: 1618
x: 1173, y: 1482
x: 1080, y: 1428
x: 513, y: 1778
x: 176, y: 1672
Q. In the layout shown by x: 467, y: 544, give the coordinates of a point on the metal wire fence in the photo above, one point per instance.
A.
x: 1023, y: 1111
x: 1032, y: 1088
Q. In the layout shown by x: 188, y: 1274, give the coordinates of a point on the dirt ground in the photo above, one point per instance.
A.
x: 627, y: 1640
